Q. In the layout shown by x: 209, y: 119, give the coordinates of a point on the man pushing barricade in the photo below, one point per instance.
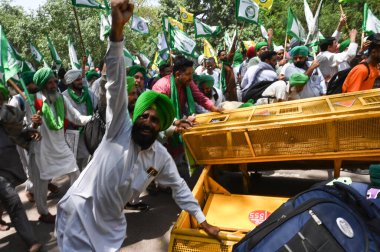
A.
x: 90, y: 216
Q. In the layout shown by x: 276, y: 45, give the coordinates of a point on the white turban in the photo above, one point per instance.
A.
x: 72, y: 75
x: 278, y: 48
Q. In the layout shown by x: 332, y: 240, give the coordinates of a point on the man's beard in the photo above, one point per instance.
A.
x: 143, y: 140
x: 300, y: 64
x: 51, y: 96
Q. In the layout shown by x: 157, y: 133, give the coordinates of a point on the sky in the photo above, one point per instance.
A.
x: 33, y: 4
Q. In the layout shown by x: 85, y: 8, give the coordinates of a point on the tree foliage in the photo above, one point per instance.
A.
x: 56, y: 19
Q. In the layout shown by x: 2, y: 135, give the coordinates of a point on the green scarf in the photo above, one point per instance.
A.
x: 175, y: 99
x: 223, y: 81
x: 85, y: 97
x: 52, y: 122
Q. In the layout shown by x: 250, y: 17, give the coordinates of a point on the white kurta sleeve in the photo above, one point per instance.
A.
x: 116, y: 114
x: 180, y: 191
x: 345, y: 56
x: 73, y: 115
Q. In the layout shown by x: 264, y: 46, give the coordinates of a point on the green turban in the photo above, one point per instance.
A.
x: 42, y: 76
x: 204, y: 78
x: 135, y: 69
x: 4, y: 91
x: 344, y: 44
x: 91, y: 74
x: 259, y: 45
x: 298, y: 79
x: 27, y: 77
x: 161, y: 103
x: 238, y: 58
x: 130, y: 81
x: 299, y: 50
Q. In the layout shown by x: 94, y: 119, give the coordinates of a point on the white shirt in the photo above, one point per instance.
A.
x: 53, y: 156
x: 278, y: 91
x: 329, y: 62
x: 90, y: 216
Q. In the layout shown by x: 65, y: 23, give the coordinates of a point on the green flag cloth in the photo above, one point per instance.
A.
x: 181, y: 42
x: 204, y: 30
x: 4, y: 91
x: 37, y: 55
x: 53, y: 52
x: 159, y: 102
x: 371, y: 23
x: 90, y: 62
x: 294, y: 27
x: 128, y: 57
x: 88, y: 3
x: 9, y: 66
x: 73, y: 55
x: 344, y: 44
x: 139, y: 24
x: 247, y: 11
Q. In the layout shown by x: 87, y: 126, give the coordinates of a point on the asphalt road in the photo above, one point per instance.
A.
x: 150, y: 230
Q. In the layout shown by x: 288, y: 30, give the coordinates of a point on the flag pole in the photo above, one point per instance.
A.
x: 80, y: 34
x: 342, y: 11
x: 241, y: 29
x: 285, y: 45
x: 25, y: 95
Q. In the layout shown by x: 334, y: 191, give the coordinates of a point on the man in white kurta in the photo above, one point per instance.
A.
x: 51, y: 157
x: 90, y: 216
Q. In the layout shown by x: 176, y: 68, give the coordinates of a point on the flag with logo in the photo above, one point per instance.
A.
x: 36, y: 54
x: 175, y: 23
x: 90, y: 62
x: 371, y: 23
x: 265, y: 4
x: 53, y: 52
x: 9, y: 65
x: 204, y: 30
x: 128, y: 57
x: 88, y: 3
x: 139, y: 24
x: 186, y: 17
x: 247, y: 11
x: 73, y: 54
x: 209, y: 51
x: 162, y: 45
x: 294, y: 27
x: 181, y: 42
x: 105, y: 26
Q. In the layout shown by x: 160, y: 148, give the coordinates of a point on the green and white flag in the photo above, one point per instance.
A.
x: 30, y: 66
x: 247, y: 11
x: 227, y: 39
x: 128, y: 58
x: 88, y: 3
x: 371, y: 23
x: 105, y: 26
x: 294, y: 27
x: 162, y: 45
x: 9, y: 65
x: 145, y: 61
x: 139, y: 24
x: 90, y: 62
x: 308, y: 15
x: 181, y: 42
x: 204, y: 30
x: 53, y: 52
x: 313, y: 35
x: 37, y: 55
x: 73, y: 55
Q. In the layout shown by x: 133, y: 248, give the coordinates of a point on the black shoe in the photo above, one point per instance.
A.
x: 139, y: 206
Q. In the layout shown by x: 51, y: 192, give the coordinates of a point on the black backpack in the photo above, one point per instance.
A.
x: 94, y: 131
x: 336, y: 83
x: 256, y: 90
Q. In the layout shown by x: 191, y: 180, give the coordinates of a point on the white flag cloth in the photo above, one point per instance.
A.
x: 371, y: 23
x: 88, y: 3
x: 162, y: 45
x: 204, y: 30
x: 181, y: 42
x: 313, y: 35
x: 73, y: 55
x: 105, y: 26
x: 139, y: 24
x: 128, y: 57
x: 145, y: 61
x: 264, y: 32
x: 308, y: 15
x: 37, y: 56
